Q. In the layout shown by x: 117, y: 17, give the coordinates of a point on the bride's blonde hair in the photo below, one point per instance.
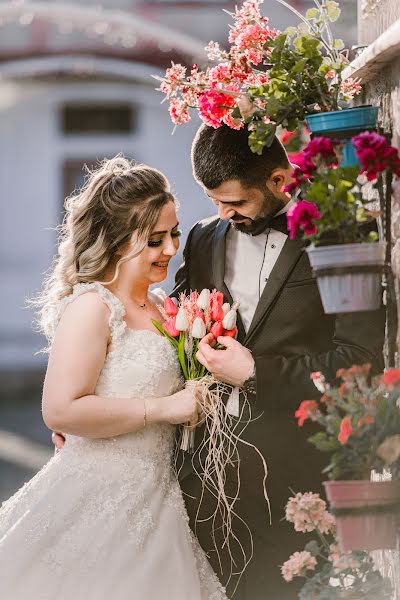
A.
x: 119, y: 198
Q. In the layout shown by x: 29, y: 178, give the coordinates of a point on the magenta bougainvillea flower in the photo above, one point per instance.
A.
x: 375, y: 154
x: 302, y: 216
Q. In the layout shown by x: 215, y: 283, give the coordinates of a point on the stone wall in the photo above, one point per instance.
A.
x: 374, y: 17
x: 379, y: 70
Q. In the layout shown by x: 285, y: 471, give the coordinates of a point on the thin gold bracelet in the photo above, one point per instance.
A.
x: 144, y: 413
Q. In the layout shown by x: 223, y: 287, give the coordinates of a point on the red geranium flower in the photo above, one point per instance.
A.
x: 308, y: 409
x: 345, y: 430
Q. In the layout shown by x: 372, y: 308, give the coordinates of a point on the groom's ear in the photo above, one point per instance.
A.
x: 277, y: 181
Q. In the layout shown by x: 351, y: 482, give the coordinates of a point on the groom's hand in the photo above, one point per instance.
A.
x: 233, y: 365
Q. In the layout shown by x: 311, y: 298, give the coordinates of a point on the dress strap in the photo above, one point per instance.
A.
x: 117, y: 309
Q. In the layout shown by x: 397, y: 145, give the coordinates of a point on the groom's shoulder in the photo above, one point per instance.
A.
x: 205, y: 227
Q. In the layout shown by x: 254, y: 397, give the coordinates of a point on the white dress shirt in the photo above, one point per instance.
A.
x: 248, y: 264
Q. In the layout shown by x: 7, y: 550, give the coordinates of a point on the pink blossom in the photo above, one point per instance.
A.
x: 231, y: 332
x: 321, y: 146
x: 298, y: 564
x: 233, y: 123
x: 308, y: 512
x: 350, y: 88
x: 302, y: 216
x: 375, y: 154
x: 178, y: 111
x: 171, y: 310
x: 170, y: 327
x: 216, y: 329
x: 213, y: 106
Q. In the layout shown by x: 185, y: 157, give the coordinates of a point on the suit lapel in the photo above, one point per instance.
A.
x: 218, y: 266
x: 287, y: 259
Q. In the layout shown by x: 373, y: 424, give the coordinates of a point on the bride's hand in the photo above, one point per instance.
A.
x: 182, y: 407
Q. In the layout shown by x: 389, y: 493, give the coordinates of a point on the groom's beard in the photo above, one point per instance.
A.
x: 271, y: 206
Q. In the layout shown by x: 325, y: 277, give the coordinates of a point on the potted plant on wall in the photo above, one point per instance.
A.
x: 329, y: 572
x: 335, y: 216
x: 361, y: 431
x: 286, y: 77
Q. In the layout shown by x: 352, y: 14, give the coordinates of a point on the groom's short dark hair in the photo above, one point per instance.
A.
x: 224, y: 153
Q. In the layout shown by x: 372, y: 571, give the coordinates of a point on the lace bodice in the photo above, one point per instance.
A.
x: 139, y: 364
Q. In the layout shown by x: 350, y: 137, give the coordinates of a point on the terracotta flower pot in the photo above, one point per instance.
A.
x: 367, y: 513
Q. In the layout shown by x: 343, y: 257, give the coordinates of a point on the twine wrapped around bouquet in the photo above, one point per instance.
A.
x: 218, y: 450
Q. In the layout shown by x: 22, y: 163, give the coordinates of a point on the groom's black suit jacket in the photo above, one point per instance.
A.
x: 290, y: 337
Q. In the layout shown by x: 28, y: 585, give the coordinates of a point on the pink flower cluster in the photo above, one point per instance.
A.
x: 214, y: 91
x: 350, y: 88
x: 302, y: 216
x: 308, y: 512
x: 318, y: 150
x: 218, y: 318
x: 375, y: 154
x: 298, y: 564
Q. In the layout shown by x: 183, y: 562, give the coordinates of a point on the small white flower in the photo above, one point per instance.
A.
x: 182, y: 323
x: 199, y: 328
x: 229, y: 321
x: 204, y: 299
x: 226, y: 308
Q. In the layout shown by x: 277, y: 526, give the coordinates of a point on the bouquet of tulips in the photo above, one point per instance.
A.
x: 187, y: 321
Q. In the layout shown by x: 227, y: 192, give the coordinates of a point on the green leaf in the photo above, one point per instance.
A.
x: 291, y: 31
x: 182, y: 355
x: 338, y: 44
x: 332, y: 10
x: 161, y: 329
x: 312, y: 547
x: 312, y: 13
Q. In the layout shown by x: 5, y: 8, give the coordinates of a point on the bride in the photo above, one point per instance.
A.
x: 105, y: 517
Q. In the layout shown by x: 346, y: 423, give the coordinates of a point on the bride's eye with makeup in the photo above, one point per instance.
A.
x: 176, y: 233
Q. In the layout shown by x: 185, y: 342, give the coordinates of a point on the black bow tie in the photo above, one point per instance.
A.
x: 279, y: 223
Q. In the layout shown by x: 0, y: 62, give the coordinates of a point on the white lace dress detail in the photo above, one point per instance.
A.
x: 105, y: 518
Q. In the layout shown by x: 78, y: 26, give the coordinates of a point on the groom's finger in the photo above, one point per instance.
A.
x: 202, y: 359
x: 207, y: 340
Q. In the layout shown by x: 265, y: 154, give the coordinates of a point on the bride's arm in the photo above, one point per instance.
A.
x: 76, y: 359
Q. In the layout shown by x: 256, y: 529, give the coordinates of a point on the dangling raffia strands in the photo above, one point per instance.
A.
x: 218, y: 450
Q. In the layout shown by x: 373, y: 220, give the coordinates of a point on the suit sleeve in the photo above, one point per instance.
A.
x: 358, y: 339
x: 182, y: 277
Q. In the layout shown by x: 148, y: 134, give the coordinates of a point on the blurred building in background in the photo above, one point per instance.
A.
x: 75, y: 87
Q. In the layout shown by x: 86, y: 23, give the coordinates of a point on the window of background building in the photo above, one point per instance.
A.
x: 89, y: 119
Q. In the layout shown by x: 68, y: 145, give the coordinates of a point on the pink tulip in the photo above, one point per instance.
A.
x: 231, y: 332
x: 216, y: 312
x: 171, y: 310
x: 170, y: 327
x: 216, y: 329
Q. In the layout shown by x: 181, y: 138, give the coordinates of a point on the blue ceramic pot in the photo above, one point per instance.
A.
x: 343, y: 125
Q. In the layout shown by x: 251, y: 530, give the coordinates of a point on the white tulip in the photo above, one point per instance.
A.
x: 226, y: 308
x: 204, y: 299
x: 199, y: 328
x: 174, y: 300
x: 229, y: 321
x: 182, y: 323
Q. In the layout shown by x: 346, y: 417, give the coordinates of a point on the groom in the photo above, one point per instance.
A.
x: 283, y: 336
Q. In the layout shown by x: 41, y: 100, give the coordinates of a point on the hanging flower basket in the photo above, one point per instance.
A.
x: 349, y: 276
x: 367, y: 513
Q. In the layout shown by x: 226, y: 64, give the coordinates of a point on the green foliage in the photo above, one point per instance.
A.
x: 300, y: 60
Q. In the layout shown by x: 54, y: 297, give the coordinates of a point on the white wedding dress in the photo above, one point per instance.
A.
x: 105, y: 518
